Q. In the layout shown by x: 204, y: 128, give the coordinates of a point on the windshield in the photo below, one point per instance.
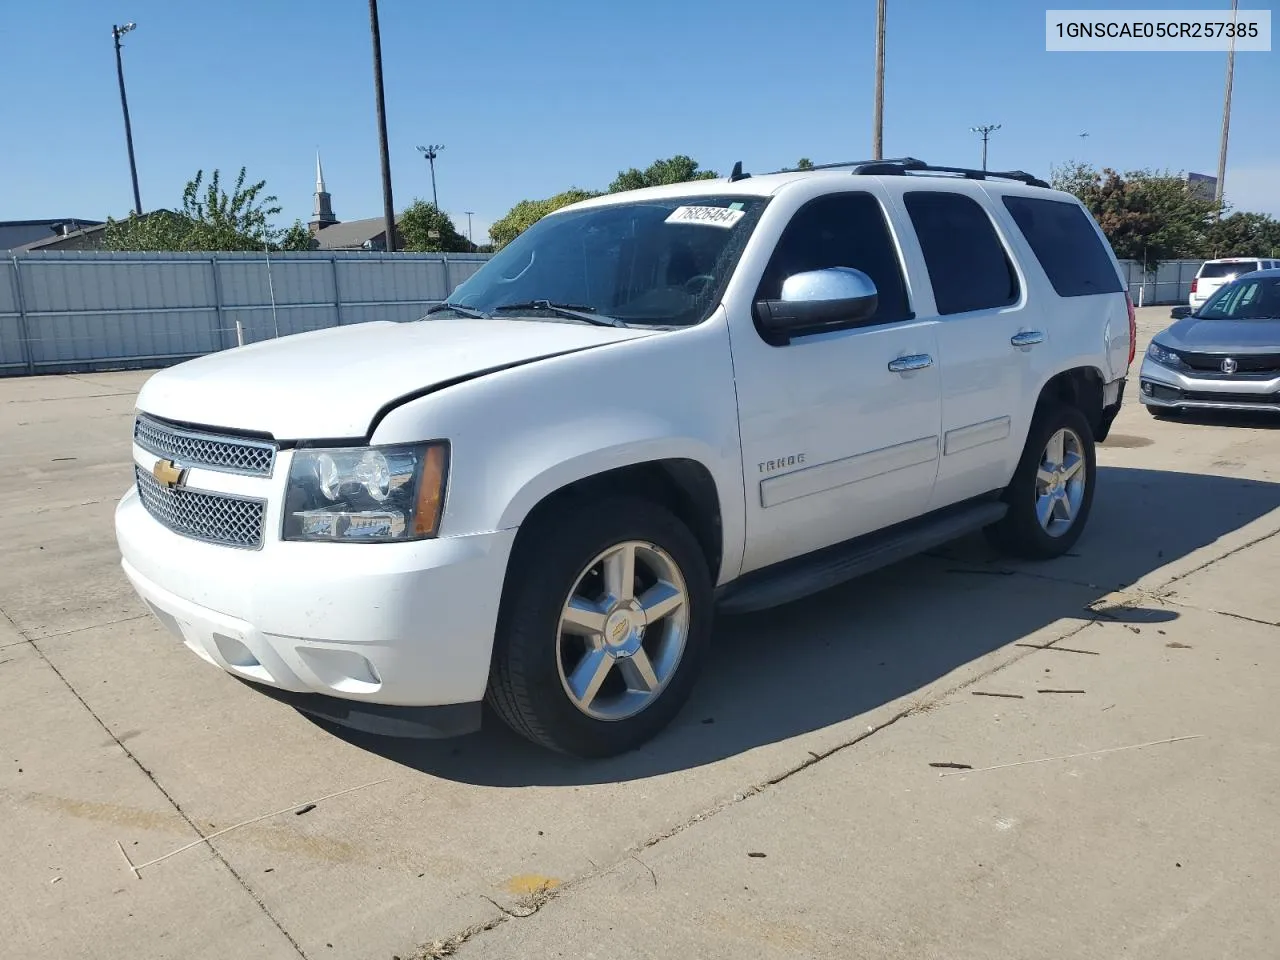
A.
x: 1254, y: 299
x: 1233, y: 268
x: 651, y: 262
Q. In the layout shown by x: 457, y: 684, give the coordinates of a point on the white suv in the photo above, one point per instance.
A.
x: 726, y: 393
x: 1212, y: 274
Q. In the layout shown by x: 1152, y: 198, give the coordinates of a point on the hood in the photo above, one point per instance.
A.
x: 1222, y: 336
x: 331, y: 383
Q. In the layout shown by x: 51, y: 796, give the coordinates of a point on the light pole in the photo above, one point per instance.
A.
x: 1226, y: 116
x: 986, y: 130
x: 116, y: 33
x: 877, y: 135
x: 388, y: 205
x: 470, y: 242
x: 431, y: 152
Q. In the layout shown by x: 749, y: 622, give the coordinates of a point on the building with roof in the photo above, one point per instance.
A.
x: 21, y: 234
x: 330, y: 233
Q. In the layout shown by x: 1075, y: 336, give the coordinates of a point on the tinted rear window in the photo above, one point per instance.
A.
x: 1066, y: 244
x: 967, y: 263
x: 1216, y: 271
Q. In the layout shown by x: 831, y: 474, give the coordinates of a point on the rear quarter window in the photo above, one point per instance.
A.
x: 1066, y: 244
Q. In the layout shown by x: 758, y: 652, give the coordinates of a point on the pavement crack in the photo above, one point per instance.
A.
x: 1208, y: 563
x: 173, y: 801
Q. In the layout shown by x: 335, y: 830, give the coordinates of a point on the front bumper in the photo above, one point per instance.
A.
x: 1174, y: 389
x: 382, y: 625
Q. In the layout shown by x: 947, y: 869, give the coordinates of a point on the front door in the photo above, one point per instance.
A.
x: 840, y: 429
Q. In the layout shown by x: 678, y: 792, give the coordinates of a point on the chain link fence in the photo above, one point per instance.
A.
x: 75, y: 311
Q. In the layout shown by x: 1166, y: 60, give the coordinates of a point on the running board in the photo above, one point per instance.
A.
x: 799, y: 577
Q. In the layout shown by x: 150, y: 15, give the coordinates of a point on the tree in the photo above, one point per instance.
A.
x: 1146, y: 215
x: 528, y: 212
x: 677, y: 169
x: 419, y: 220
x: 1243, y: 235
x: 804, y: 163
x: 297, y: 237
x: 209, y: 220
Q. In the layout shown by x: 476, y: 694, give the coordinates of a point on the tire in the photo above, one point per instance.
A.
x: 1021, y: 532
x: 537, y: 665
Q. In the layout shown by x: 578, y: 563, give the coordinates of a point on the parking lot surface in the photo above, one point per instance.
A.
x: 955, y: 757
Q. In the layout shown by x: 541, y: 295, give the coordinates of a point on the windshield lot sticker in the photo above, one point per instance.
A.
x: 706, y: 216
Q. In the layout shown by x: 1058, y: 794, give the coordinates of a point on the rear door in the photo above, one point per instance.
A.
x: 985, y: 339
x: 1214, y: 274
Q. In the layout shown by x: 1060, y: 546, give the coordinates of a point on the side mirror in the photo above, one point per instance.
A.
x: 1179, y: 313
x: 819, y: 300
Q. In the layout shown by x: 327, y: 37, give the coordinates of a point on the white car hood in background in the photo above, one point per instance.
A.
x: 330, y: 383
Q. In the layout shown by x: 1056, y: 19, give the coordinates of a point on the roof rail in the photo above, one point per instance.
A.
x: 848, y: 163
x: 902, y: 167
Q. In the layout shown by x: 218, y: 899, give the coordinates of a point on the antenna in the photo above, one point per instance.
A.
x: 737, y: 173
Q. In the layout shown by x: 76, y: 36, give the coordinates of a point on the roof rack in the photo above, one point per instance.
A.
x: 902, y: 166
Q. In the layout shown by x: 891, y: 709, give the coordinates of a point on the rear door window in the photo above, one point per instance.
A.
x: 968, y: 266
x: 1066, y: 245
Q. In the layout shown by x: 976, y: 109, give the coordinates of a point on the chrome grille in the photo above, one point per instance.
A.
x: 213, y: 517
x: 254, y: 458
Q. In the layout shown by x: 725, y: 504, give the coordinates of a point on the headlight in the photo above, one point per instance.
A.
x: 1163, y: 356
x: 366, y: 494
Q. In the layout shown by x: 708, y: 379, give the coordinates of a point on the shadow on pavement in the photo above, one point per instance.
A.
x: 820, y: 661
x: 1227, y: 418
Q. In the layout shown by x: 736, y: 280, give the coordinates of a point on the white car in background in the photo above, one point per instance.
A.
x: 1214, y: 273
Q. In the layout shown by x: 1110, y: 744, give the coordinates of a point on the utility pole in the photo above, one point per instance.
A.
x: 1226, y: 117
x: 116, y: 33
x: 388, y: 205
x: 877, y: 135
x: 470, y: 242
x: 986, y: 130
x: 430, y: 153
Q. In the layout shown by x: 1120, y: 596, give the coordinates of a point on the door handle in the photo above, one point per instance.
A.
x: 1027, y: 338
x: 907, y: 364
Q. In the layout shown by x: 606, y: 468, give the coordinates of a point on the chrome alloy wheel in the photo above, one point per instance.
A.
x: 1060, y: 482
x: 622, y: 631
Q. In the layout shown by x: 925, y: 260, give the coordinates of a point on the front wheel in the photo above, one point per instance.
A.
x: 603, y: 626
x: 1051, y: 492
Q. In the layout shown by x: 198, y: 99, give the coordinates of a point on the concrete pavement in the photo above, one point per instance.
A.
x: 809, y: 740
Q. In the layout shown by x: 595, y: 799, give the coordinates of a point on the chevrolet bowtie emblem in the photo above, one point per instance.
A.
x: 168, y: 473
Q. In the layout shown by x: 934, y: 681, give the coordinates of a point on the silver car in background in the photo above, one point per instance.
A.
x: 1224, y: 356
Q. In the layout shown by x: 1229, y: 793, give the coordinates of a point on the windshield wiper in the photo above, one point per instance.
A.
x: 570, y: 311
x: 465, y: 311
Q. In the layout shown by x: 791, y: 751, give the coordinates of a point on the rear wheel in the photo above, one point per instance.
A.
x: 604, y: 622
x: 1051, y: 492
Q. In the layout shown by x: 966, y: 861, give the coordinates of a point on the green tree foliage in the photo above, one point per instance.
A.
x: 297, y: 237
x: 1145, y: 214
x: 677, y: 169
x: 528, y: 212
x: 1243, y: 235
x: 210, y: 219
x: 418, y: 222
x: 804, y: 163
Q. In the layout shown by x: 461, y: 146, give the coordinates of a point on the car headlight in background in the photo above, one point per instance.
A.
x: 366, y: 494
x: 1163, y: 356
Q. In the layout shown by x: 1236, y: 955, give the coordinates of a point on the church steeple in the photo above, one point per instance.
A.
x: 322, y: 211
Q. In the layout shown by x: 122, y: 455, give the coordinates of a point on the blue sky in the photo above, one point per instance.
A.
x: 530, y: 99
